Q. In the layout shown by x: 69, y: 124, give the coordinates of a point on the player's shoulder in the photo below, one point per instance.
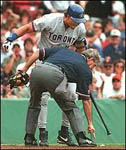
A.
x: 54, y: 15
x: 80, y: 29
x: 81, y: 26
x: 51, y: 17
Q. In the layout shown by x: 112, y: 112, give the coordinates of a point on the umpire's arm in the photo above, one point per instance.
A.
x: 87, y: 107
x: 32, y: 59
x: 88, y: 110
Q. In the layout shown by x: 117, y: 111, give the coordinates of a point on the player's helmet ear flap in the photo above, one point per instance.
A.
x: 77, y: 13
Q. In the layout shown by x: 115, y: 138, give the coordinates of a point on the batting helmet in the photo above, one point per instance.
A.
x: 77, y: 13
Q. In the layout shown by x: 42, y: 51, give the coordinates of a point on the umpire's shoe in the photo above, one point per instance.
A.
x: 30, y: 140
x: 43, y: 138
x: 65, y: 139
x: 84, y: 141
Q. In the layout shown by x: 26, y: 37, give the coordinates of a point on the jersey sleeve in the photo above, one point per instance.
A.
x: 44, y: 53
x: 83, y: 91
x: 84, y: 82
x: 41, y: 23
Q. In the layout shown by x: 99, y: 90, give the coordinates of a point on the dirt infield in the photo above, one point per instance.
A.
x: 55, y: 147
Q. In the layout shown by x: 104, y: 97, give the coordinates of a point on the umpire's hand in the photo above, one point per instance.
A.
x: 91, y: 130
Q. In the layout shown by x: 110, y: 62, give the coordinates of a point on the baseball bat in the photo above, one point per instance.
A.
x: 93, y: 101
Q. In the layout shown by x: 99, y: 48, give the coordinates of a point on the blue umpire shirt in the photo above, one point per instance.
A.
x: 74, y: 66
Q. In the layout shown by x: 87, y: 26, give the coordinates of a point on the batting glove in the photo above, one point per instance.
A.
x: 6, y: 46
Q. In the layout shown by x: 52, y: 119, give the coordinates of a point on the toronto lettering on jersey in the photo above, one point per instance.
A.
x: 60, y: 37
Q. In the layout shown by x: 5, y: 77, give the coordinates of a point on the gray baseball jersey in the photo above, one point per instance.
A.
x: 53, y: 32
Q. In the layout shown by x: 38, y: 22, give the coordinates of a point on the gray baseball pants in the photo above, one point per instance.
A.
x: 49, y: 78
x: 42, y: 120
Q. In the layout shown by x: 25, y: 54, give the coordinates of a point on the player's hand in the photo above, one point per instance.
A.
x: 6, y: 46
x: 91, y: 130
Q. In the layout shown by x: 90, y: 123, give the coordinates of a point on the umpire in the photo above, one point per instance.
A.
x: 61, y: 66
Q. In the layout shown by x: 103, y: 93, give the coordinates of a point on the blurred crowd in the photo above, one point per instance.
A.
x: 105, y: 31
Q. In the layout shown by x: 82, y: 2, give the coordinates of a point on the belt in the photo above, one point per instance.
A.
x: 55, y: 66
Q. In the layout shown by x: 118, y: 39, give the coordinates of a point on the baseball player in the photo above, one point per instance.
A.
x: 56, y: 30
x: 53, y: 76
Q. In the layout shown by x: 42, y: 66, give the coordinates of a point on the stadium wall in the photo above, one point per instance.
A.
x: 13, y: 114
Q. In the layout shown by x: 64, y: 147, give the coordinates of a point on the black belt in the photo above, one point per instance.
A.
x: 55, y: 66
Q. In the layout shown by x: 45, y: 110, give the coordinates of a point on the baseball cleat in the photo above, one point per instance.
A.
x: 30, y: 140
x: 43, y: 138
x: 65, y: 140
x: 84, y: 141
x: 87, y: 143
